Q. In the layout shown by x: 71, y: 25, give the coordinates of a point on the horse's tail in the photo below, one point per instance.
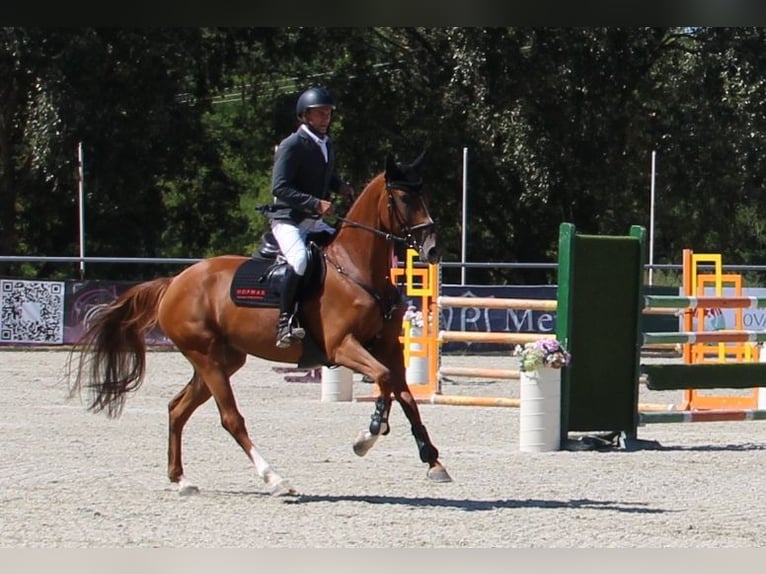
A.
x: 112, y: 358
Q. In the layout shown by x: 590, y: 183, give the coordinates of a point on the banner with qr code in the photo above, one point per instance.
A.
x: 31, y: 311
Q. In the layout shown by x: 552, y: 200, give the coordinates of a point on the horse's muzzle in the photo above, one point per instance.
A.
x: 431, y: 251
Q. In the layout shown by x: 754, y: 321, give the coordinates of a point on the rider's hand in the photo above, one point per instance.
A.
x: 325, y: 207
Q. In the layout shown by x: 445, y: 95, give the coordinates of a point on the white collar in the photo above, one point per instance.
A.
x: 313, y: 136
x: 321, y: 142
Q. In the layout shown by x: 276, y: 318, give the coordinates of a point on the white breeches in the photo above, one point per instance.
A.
x: 291, y: 238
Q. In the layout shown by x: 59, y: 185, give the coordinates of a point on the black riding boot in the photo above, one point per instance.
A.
x: 287, y: 332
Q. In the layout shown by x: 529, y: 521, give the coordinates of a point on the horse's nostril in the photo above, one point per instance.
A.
x: 434, y: 255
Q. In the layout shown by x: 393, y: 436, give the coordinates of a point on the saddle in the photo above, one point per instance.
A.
x: 259, y: 280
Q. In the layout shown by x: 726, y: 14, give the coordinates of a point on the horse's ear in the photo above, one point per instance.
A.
x: 393, y: 171
x: 419, y: 160
x: 390, y: 163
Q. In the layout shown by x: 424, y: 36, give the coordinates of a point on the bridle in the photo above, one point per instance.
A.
x: 407, y: 238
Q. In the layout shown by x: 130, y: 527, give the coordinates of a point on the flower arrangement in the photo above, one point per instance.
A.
x: 542, y: 353
x: 414, y: 316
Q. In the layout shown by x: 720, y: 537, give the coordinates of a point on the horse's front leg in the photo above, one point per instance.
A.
x: 390, y: 380
x: 428, y: 452
x: 392, y: 354
x: 378, y: 426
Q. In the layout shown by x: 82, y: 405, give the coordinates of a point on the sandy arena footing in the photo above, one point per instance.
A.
x: 69, y: 478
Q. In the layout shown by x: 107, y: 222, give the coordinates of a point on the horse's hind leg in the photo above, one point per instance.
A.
x: 180, y: 408
x: 208, y: 365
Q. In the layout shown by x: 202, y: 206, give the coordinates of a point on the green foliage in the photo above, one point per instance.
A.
x: 666, y: 278
x: 178, y: 127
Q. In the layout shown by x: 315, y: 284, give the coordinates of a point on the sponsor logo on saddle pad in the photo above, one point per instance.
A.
x: 257, y: 283
x: 250, y: 293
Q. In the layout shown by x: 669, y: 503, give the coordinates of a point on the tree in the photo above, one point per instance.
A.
x: 179, y: 127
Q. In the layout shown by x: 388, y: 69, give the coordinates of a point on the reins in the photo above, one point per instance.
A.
x: 408, y: 239
x: 387, y: 308
x: 386, y: 311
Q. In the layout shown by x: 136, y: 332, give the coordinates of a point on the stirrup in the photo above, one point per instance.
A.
x: 293, y: 327
x: 285, y: 341
x: 296, y: 331
x: 287, y: 334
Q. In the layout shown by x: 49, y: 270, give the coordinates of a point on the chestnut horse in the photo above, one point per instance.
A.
x: 354, y: 317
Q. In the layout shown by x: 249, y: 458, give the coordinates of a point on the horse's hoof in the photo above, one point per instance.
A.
x: 282, y: 488
x: 187, y: 490
x: 364, y: 442
x: 360, y: 448
x: 438, y: 474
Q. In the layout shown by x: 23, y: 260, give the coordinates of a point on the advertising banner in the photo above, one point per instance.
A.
x: 495, y: 320
x: 31, y: 312
x: 85, y: 298
x: 58, y: 312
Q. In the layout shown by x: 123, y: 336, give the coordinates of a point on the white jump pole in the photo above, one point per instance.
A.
x: 651, y: 220
x: 464, y: 228
x: 81, y: 206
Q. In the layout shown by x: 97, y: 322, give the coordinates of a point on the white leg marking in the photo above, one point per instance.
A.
x: 278, y: 486
x: 186, y: 488
x: 261, y: 466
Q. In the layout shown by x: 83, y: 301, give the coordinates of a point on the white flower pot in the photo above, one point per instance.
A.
x: 417, y: 370
x: 540, y: 410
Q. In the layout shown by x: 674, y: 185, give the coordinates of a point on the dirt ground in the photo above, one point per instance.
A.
x: 69, y: 478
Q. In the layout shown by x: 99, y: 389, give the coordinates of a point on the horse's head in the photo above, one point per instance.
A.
x: 408, y: 208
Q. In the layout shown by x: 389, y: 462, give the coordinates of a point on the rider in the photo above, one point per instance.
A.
x: 303, y: 175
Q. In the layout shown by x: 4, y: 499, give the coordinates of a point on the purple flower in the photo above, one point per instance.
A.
x: 542, y: 353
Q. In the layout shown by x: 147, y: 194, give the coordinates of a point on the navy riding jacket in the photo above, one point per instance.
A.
x: 301, y: 177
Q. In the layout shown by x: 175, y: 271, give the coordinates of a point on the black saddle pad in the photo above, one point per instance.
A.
x: 258, y: 281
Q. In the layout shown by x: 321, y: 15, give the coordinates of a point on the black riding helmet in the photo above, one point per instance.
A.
x: 313, y: 98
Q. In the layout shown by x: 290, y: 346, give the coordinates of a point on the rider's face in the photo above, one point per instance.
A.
x: 319, y: 119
